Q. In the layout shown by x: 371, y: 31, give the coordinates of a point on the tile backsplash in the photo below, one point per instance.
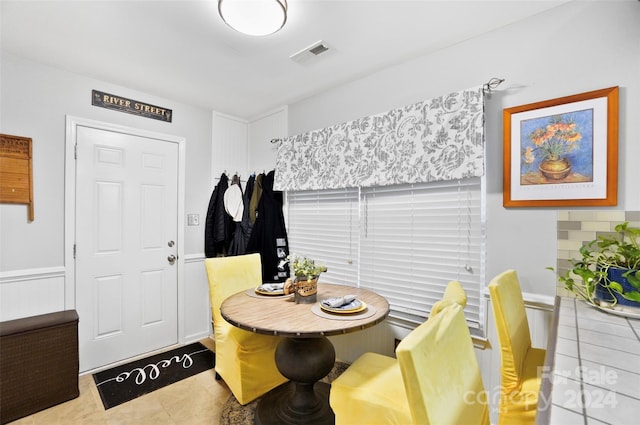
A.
x: 577, y: 227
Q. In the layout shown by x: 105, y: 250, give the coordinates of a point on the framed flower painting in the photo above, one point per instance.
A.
x: 562, y: 152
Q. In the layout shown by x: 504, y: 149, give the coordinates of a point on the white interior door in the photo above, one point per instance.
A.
x: 126, y: 233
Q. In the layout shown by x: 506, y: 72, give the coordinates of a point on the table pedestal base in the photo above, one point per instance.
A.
x: 304, y: 400
x: 276, y: 408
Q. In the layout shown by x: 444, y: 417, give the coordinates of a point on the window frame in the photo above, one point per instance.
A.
x: 475, y: 310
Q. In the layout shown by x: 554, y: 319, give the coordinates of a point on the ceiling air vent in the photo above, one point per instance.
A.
x: 309, y: 52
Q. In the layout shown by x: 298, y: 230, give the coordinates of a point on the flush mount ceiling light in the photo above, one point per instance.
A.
x: 254, y: 17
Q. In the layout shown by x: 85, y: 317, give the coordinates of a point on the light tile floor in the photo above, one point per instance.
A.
x: 192, y: 401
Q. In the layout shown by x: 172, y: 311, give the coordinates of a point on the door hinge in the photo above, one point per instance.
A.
x: 75, y: 151
x: 74, y: 251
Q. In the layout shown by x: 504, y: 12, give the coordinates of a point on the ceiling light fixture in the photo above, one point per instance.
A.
x: 254, y: 17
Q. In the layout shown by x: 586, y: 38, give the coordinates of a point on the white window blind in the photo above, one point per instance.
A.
x: 404, y: 242
x: 416, y: 238
x: 323, y: 225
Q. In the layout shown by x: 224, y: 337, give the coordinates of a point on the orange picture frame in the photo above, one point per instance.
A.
x: 562, y: 152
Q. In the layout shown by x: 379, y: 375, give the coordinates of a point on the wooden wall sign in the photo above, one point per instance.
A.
x: 16, y: 172
x: 122, y: 104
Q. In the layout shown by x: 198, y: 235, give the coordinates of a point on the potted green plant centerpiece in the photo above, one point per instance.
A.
x: 608, y: 270
x: 306, y: 273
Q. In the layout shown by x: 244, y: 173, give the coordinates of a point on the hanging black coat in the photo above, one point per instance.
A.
x: 269, y: 234
x: 218, y: 229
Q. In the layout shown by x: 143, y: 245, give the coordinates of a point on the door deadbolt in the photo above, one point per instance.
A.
x: 171, y: 244
x: 171, y: 259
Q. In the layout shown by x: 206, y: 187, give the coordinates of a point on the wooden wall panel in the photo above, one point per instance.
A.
x: 16, y: 172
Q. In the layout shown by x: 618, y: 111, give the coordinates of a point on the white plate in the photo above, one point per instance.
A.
x: 354, y: 306
x: 262, y: 292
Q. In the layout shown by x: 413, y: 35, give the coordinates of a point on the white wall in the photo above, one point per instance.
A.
x: 244, y: 146
x: 35, y: 100
x: 578, y: 47
x: 262, y: 130
x: 228, y: 147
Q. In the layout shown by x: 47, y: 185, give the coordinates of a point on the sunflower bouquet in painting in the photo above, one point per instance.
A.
x: 549, y: 144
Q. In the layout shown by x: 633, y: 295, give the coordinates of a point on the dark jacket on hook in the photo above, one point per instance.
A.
x: 218, y: 229
x: 269, y: 234
x: 256, y: 194
x: 243, y: 229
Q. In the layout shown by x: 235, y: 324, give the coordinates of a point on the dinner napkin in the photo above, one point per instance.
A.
x: 338, y: 301
x: 271, y: 287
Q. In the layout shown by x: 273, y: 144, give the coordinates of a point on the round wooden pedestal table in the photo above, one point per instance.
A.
x: 305, y: 355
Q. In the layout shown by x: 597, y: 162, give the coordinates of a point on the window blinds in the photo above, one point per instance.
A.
x: 323, y: 225
x: 405, y: 242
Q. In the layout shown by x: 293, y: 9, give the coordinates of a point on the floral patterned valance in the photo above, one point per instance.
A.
x: 438, y: 139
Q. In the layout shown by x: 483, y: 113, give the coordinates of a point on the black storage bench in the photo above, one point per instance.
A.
x: 38, y: 363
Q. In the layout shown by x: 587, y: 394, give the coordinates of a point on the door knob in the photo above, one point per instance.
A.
x: 171, y: 259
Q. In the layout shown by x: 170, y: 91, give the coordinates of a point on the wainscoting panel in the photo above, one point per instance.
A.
x: 379, y: 339
x: 197, y: 315
x: 25, y: 293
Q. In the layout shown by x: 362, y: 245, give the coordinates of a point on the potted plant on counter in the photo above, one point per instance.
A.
x: 608, y: 271
x: 306, y: 273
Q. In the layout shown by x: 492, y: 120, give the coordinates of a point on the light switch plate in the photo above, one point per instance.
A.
x: 193, y: 219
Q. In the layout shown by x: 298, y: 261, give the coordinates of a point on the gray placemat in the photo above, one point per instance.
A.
x: 368, y: 312
x: 252, y: 293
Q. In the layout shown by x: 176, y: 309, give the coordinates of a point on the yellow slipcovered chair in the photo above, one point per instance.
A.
x: 441, y: 372
x: 245, y: 360
x: 453, y: 293
x: 521, y: 366
x: 372, y: 390
x: 436, y: 380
